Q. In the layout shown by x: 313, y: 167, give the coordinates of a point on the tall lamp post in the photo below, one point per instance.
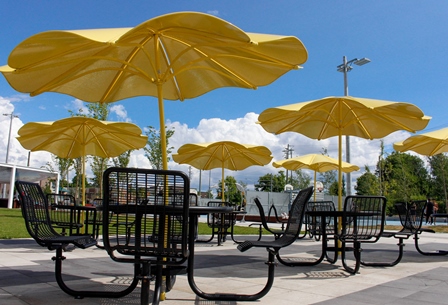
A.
x: 11, y: 116
x: 345, y: 67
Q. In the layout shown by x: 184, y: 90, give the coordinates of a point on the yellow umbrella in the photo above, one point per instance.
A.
x: 317, y: 163
x: 175, y: 56
x: 337, y: 116
x: 224, y: 154
x: 428, y: 144
x: 76, y: 137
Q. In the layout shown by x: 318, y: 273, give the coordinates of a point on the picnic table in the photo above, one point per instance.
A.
x: 361, y: 221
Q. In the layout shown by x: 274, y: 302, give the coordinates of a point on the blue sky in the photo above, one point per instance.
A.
x: 406, y: 41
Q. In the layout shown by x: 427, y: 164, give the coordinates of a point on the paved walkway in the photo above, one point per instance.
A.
x: 26, y: 275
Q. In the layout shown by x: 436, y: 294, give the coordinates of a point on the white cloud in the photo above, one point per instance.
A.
x: 77, y: 105
x: 17, y: 154
x: 120, y: 111
x: 213, y: 12
x: 20, y: 97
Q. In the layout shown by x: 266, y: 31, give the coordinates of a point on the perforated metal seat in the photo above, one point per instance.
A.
x: 36, y: 212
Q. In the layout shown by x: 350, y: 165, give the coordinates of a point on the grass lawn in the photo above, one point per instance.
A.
x: 12, y: 225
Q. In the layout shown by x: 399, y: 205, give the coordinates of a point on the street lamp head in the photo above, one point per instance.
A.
x: 362, y: 61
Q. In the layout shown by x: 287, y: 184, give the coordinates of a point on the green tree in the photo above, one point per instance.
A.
x: 231, y: 193
x: 77, y: 179
x: 123, y: 159
x: 153, y: 149
x: 301, y: 180
x: 270, y: 182
x: 380, y: 168
x: 334, y: 191
x: 367, y: 184
x: 327, y: 178
x: 439, y: 172
x: 64, y: 166
x: 98, y: 166
x: 405, y: 177
x: 99, y: 111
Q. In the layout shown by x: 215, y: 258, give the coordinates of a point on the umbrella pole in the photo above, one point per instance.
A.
x: 223, y: 185
x: 314, y: 185
x: 162, y: 147
x: 340, y: 174
x: 83, y: 187
x: 162, y: 126
x: 340, y: 171
x: 165, y: 167
x: 83, y: 183
x: 340, y: 185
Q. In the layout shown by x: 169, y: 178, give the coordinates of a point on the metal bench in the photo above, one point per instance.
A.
x: 292, y: 230
x: 151, y: 207
x: 361, y: 229
x: 264, y: 222
x: 218, y: 223
x: 36, y: 212
x: 411, y: 218
x: 313, y: 224
x: 277, y: 219
x: 64, y: 214
x: 406, y: 231
x: 97, y: 203
x: 315, y: 230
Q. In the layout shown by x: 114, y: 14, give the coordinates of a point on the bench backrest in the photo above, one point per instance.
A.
x: 365, y: 228
x: 97, y: 202
x: 149, y: 215
x: 263, y: 218
x: 214, y: 219
x: 296, y: 214
x: 61, y: 199
x: 273, y: 210
x: 64, y: 216
x: 411, y: 214
x: 326, y: 205
x: 35, y: 211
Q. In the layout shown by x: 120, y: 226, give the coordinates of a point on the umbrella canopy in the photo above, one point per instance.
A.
x: 317, y: 163
x: 224, y: 155
x: 175, y: 56
x: 76, y: 137
x: 428, y: 144
x: 337, y: 116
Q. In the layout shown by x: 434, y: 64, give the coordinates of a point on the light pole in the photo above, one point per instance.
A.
x: 12, y: 116
x: 288, y: 152
x: 345, y: 67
